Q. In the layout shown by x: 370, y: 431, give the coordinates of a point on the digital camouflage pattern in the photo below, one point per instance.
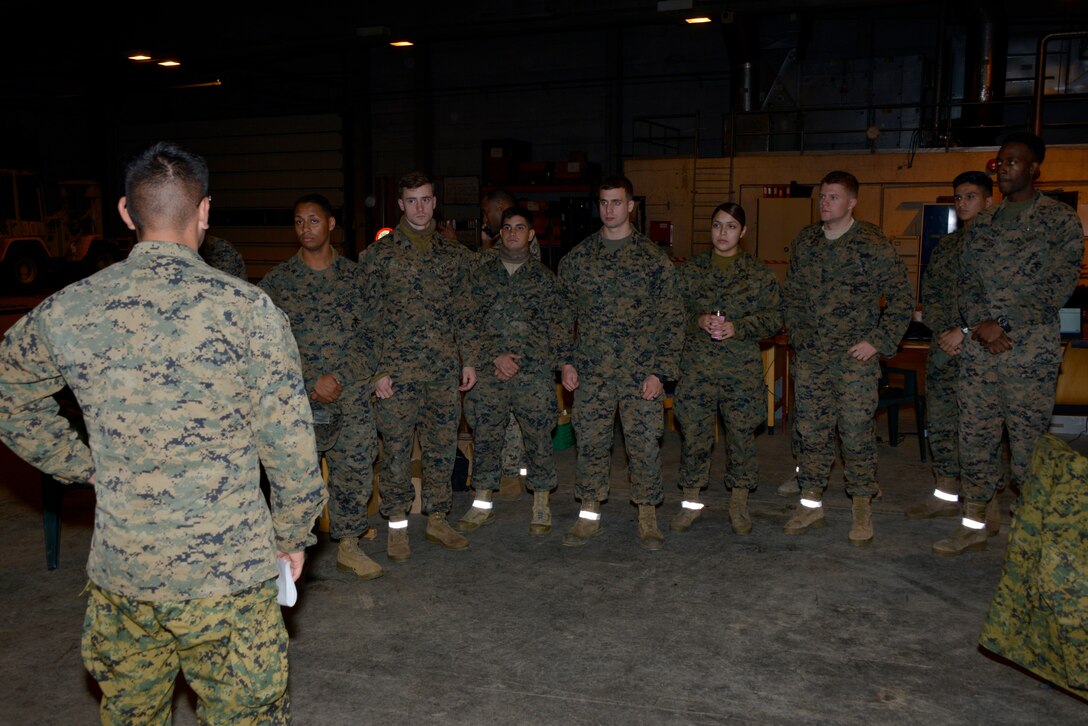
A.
x: 222, y: 255
x: 940, y: 311
x: 186, y: 378
x: 232, y: 649
x: 1023, y: 268
x: 524, y: 315
x: 724, y: 375
x: 417, y: 309
x: 324, y: 307
x: 630, y: 324
x: 831, y: 301
x: 1038, y: 617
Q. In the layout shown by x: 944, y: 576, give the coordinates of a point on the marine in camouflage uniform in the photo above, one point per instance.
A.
x: 942, y: 369
x: 187, y: 378
x: 323, y: 306
x: 222, y: 255
x: 723, y: 375
x: 492, y: 207
x: 973, y: 192
x: 621, y: 290
x: 832, y: 310
x: 516, y: 311
x: 1039, y: 612
x: 1020, y: 263
x: 415, y: 298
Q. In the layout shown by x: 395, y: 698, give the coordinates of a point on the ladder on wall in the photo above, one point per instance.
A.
x: 711, y: 184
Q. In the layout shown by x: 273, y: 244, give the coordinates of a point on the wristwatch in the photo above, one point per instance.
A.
x: 1003, y: 323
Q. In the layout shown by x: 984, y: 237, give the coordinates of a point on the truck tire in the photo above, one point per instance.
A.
x: 25, y: 268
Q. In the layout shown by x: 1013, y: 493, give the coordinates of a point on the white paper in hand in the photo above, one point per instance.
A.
x: 287, y: 592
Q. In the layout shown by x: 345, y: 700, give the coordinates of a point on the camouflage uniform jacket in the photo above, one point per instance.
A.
x: 221, y: 255
x: 186, y: 377
x: 940, y: 309
x: 416, y: 307
x: 1024, y: 271
x: 1038, y: 617
x: 627, y: 308
x: 833, y: 290
x: 520, y: 313
x: 747, y: 294
x: 325, y: 310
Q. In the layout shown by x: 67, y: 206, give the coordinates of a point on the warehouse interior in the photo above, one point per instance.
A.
x: 755, y: 106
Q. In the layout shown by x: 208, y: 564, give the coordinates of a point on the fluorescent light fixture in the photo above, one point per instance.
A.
x: 169, y: 63
x: 139, y: 57
x: 402, y: 44
x: 696, y: 21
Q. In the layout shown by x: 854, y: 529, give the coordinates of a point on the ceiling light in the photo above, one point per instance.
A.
x: 169, y: 63
x: 696, y: 21
x: 402, y: 43
x: 139, y: 57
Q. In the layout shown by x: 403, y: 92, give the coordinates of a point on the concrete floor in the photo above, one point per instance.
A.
x: 763, y: 629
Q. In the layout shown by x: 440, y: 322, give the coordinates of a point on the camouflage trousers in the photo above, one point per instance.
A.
x: 231, y: 648
x: 593, y: 416
x: 943, y: 414
x: 351, y: 472
x: 530, y: 399
x: 836, y: 393
x: 513, y: 449
x: 1014, y: 389
x: 433, y: 410
x: 697, y: 402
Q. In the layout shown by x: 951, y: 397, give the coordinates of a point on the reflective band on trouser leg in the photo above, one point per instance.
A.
x: 398, y: 524
x: 812, y: 503
x: 972, y: 524
x: 482, y: 504
x: 945, y: 496
x: 691, y: 505
x: 586, y: 514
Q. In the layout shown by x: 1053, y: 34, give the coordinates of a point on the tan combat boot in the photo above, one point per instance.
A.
x: 648, y: 533
x: 993, y: 515
x: 690, y: 511
x: 440, y: 532
x: 738, y: 511
x: 943, y: 502
x: 588, y: 525
x: 970, y: 535
x: 480, y: 513
x: 511, y: 488
x: 861, y: 531
x: 809, y: 513
x: 397, y: 547
x: 351, y: 558
x: 789, y: 487
x: 541, y: 521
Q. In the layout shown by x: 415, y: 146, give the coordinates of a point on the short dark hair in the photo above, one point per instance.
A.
x: 842, y: 178
x: 164, y: 185
x: 617, y: 181
x: 980, y: 179
x: 500, y: 195
x: 1030, y: 140
x: 732, y: 209
x: 413, y: 180
x: 319, y: 199
x: 517, y: 212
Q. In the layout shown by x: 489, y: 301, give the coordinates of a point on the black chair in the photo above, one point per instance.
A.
x: 892, y: 397
x: 52, y: 496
